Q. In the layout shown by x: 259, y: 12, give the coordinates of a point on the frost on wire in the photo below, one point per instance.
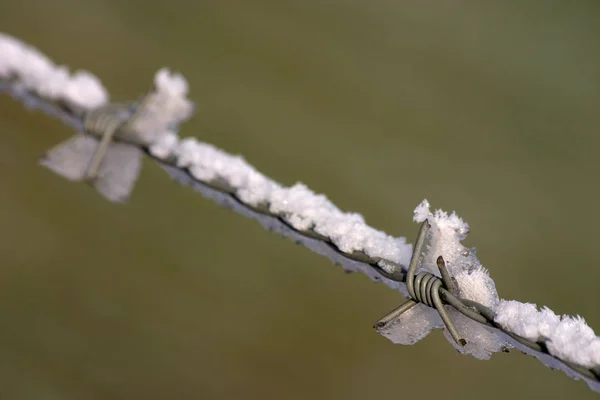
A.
x: 30, y: 75
x: 31, y: 70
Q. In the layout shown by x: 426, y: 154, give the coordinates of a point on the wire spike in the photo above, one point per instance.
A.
x: 446, y: 277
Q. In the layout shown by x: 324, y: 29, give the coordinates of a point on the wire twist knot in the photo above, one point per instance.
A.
x: 425, y: 286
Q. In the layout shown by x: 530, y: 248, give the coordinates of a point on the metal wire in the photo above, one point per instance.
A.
x: 423, y: 287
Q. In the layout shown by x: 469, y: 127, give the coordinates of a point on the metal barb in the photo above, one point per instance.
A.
x: 425, y: 288
x: 107, y: 136
x: 106, y: 122
x: 448, y: 282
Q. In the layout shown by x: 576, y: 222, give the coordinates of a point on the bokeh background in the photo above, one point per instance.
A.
x: 486, y: 108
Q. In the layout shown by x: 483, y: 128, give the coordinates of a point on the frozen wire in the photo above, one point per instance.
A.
x: 474, y: 311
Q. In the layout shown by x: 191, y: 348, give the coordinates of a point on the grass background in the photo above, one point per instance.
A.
x: 486, y: 108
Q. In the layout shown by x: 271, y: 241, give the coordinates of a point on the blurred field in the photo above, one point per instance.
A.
x: 486, y: 108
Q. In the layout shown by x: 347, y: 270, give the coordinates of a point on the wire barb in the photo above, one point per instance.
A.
x: 425, y: 288
x: 107, y: 123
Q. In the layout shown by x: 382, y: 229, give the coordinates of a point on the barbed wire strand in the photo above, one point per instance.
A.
x: 423, y: 288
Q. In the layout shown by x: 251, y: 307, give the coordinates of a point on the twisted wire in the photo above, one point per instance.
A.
x: 423, y: 287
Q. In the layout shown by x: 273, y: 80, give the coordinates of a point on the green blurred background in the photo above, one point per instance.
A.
x: 486, y: 108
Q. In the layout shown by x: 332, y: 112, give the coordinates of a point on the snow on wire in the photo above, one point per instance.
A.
x: 112, y: 138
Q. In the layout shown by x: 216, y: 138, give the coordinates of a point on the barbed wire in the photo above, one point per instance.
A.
x: 424, y: 287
